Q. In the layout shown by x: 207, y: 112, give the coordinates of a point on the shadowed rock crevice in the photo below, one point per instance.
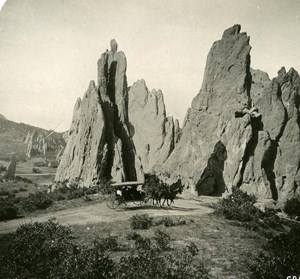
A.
x: 267, y: 164
x: 212, y: 180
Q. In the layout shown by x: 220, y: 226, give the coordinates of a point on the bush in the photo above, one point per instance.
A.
x: 36, y: 201
x: 36, y: 170
x: 281, y: 258
x: 239, y: 206
x: 75, y: 194
x: 108, y: 243
x: 162, y: 240
x: 150, y: 263
x: 45, y: 250
x: 141, y: 221
x: 7, y: 210
x: 292, y: 207
x: 4, y: 193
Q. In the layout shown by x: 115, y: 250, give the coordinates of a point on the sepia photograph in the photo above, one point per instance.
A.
x: 154, y: 139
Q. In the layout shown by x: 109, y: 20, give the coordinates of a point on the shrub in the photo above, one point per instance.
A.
x: 281, y: 257
x: 4, y: 193
x: 162, y: 239
x: 36, y: 170
x: 15, y: 191
x: 7, y: 210
x: 150, y: 263
x: 22, y: 189
x: 239, y: 206
x: 76, y: 193
x: 45, y: 250
x: 292, y: 207
x: 36, y: 201
x: 141, y: 221
x: 108, y: 243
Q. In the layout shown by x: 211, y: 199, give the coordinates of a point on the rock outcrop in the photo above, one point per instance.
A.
x: 211, y: 118
x: 42, y: 145
x: 242, y: 129
x: 99, y: 144
x: 11, y: 168
x: 154, y: 134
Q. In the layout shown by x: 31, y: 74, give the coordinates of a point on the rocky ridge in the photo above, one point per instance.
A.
x: 28, y: 141
x: 242, y: 129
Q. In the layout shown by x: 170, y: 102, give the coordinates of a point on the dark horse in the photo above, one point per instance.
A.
x: 169, y: 194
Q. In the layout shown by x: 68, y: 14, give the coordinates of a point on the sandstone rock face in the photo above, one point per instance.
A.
x: 86, y: 147
x: 41, y: 144
x: 99, y: 144
x: 211, y: 118
x: 242, y: 128
x: 154, y: 134
x: 11, y: 168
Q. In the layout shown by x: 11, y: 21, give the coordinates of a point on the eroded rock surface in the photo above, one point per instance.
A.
x: 99, y: 144
x: 154, y: 134
x: 11, y: 168
x: 211, y: 118
x: 253, y: 122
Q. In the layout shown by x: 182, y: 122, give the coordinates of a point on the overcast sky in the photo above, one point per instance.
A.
x: 49, y: 48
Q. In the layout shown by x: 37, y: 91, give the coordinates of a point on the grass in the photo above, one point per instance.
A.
x: 224, y: 247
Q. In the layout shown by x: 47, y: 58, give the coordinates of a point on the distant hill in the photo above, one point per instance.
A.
x: 28, y: 141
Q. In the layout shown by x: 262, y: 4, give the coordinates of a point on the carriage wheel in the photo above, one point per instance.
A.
x: 120, y: 203
x: 112, y: 203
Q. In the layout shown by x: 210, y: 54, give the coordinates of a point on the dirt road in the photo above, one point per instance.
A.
x: 97, y: 213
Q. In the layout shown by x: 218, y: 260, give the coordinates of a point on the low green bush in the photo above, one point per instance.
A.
x: 141, y: 221
x: 7, y: 209
x: 292, y: 207
x: 280, y: 259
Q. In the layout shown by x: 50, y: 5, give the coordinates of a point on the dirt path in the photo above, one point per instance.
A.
x: 101, y: 213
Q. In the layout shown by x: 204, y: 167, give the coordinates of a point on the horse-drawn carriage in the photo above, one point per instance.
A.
x: 125, y: 192
x: 133, y: 191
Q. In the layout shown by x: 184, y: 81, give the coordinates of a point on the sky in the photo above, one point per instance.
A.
x: 49, y: 49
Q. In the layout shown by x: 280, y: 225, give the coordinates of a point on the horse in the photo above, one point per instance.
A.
x: 170, y: 193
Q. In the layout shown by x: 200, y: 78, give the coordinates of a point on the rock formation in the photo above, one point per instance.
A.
x: 11, y: 168
x: 99, y: 144
x: 40, y: 144
x: 242, y: 129
x: 154, y: 134
x: 211, y: 118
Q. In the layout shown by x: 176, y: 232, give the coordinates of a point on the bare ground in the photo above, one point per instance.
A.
x: 99, y: 212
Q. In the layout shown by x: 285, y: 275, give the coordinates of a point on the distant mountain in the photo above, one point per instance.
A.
x: 28, y: 141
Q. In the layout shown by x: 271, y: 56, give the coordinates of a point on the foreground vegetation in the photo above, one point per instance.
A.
x: 46, y: 250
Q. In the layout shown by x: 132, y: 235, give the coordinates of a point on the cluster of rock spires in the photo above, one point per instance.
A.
x: 108, y: 137
x: 241, y: 130
x: 39, y: 144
